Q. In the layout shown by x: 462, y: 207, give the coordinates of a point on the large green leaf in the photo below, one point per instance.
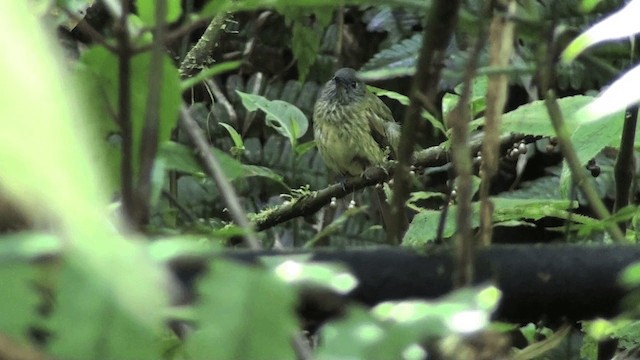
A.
x: 620, y: 95
x: 286, y: 118
x: 396, y: 329
x: 103, y: 66
x: 533, y: 119
x: 89, y: 321
x: 424, y: 226
x: 147, y: 9
x: 19, y: 299
x: 182, y: 158
x: 50, y: 174
x: 243, y: 313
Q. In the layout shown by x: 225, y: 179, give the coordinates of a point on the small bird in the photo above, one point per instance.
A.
x: 353, y: 128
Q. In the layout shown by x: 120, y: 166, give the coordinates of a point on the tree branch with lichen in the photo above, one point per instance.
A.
x: 309, y: 203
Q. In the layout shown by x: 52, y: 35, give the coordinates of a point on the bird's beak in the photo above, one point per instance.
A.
x: 339, y: 82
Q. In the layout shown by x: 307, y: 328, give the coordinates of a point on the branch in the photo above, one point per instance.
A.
x: 578, y: 175
x: 124, y: 112
x: 200, y: 54
x: 501, y: 46
x: 441, y: 23
x: 431, y: 157
x: 546, y: 69
x: 150, y: 131
x: 89, y: 30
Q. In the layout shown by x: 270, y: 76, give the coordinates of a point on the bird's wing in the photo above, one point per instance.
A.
x: 384, y: 129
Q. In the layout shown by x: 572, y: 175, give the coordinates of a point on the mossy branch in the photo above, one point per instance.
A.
x: 309, y: 204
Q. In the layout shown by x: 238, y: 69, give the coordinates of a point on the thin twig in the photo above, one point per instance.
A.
x: 183, y: 209
x: 183, y: 30
x: 150, y: 131
x: 218, y: 95
x: 441, y: 23
x: 458, y: 121
x: 89, y: 30
x: 213, y: 168
x: 501, y: 42
x: 578, y: 175
x: 124, y: 111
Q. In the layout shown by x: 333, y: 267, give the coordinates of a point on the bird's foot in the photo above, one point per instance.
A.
x: 342, y: 180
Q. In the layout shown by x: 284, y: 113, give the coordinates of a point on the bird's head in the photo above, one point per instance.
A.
x: 345, y: 87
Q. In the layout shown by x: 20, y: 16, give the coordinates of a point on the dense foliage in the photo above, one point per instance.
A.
x: 137, y: 135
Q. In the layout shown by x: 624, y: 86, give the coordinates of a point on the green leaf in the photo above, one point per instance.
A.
x: 305, y: 42
x: 402, y: 99
x: 420, y: 196
x: 588, y: 139
x: 112, y: 334
x: 237, y: 139
x: 180, y: 157
x: 104, y: 67
x: 424, y: 226
x: 619, y: 25
x: 27, y: 246
x: 398, y: 60
x: 147, y: 11
x: 395, y: 329
x: 243, y: 313
x: 618, y: 96
x: 335, y: 277
x: 437, y: 124
x: 286, y: 118
x: 301, y: 149
x: 533, y: 119
x: 349, y: 337
x: 53, y: 139
x: 19, y: 299
x: 478, y: 94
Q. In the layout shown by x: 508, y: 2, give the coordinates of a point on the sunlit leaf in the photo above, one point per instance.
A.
x: 621, y: 94
x: 233, y: 321
x: 147, y: 10
x: 621, y: 24
x: 53, y: 178
x: 19, y: 299
x: 103, y: 65
x: 237, y: 139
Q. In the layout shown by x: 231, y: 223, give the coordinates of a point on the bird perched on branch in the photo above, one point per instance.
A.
x: 353, y: 128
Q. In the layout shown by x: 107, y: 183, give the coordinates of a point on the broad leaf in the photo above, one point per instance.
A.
x: 243, y: 313
x: 424, y: 226
x: 286, y: 118
x: 182, y: 158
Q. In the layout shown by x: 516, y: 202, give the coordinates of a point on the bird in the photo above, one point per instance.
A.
x: 353, y: 129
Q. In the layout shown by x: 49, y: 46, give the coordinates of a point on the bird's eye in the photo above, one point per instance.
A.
x: 354, y: 84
